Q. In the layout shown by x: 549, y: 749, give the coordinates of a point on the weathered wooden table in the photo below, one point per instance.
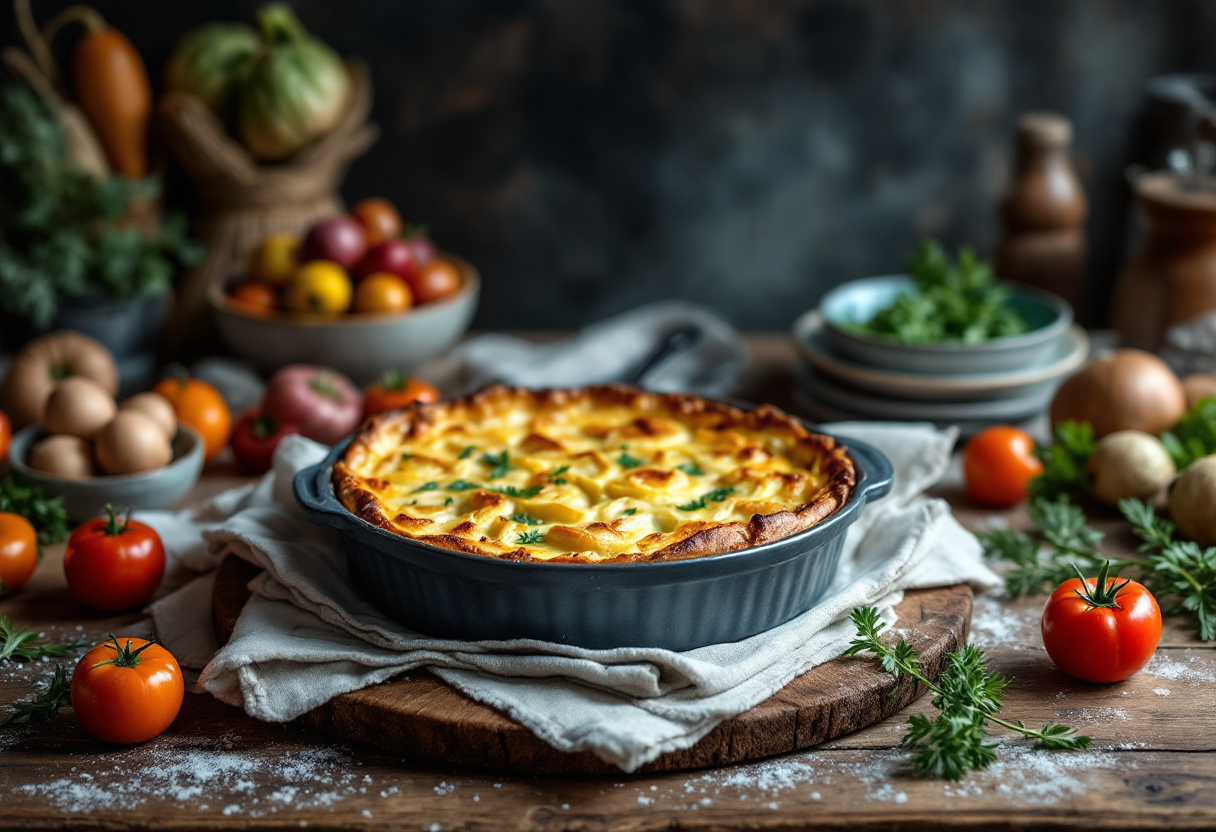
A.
x: 1152, y: 764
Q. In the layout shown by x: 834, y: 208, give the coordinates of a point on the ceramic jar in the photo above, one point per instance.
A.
x: 1172, y: 277
x: 1043, y: 214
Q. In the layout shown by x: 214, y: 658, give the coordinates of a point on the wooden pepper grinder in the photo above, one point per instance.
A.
x: 1043, y: 215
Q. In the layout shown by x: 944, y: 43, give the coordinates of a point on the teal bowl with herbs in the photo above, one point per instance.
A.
x: 1035, y: 320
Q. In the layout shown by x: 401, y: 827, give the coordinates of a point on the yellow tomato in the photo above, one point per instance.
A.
x: 275, y: 259
x: 383, y: 292
x: 319, y: 286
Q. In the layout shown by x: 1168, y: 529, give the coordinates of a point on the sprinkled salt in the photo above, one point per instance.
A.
x: 1161, y: 691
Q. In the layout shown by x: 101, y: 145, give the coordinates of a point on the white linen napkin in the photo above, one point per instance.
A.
x: 306, y: 634
x: 602, y: 352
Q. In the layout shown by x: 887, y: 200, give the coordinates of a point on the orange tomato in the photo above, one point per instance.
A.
x: 395, y: 391
x: 6, y: 436
x: 320, y: 287
x: 129, y: 692
x: 275, y: 259
x: 199, y: 406
x: 379, y: 219
x: 383, y: 292
x: 255, y: 297
x: 18, y: 552
x: 998, y: 465
x: 435, y: 281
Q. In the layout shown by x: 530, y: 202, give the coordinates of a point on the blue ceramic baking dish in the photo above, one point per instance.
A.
x: 676, y: 605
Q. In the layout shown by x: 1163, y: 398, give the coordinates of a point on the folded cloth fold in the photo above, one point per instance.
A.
x: 306, y: 635
x: 604, y: 352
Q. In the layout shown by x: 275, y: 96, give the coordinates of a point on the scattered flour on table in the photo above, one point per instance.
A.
x: 1023, y: 774
x: 1165, y: 666
x: 123, y: 780
x: 995, y: 623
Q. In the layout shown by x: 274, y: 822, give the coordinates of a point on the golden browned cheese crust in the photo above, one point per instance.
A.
x: 591, y: 475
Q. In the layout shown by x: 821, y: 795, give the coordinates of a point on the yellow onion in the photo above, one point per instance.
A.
x: 296, y: 91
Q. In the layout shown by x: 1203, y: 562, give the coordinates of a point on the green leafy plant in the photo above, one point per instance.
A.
x: 1195, y: 434
x: 46, y: 514
x: 62, y: 234
x: 953, y: 302
x: 1065, y: 461
x: 1180, y: 574
x: 968, y: 696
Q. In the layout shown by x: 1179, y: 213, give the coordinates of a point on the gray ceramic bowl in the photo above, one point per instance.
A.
x: 676, y: 605
x: 85, y: 499
x: 362, y: 347
x: 857, y: 301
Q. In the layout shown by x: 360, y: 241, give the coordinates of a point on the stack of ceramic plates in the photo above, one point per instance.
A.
x: 842, y: 374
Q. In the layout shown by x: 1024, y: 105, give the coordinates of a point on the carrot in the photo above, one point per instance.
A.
x: 112, y: 87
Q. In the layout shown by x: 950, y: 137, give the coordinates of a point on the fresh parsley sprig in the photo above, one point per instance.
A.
x: 1180, y: 574
x: 1195, y: 434
x: 968, y: 697
x: 522, y: 493
x: 626, y: 460
x: 47, y: 704
x: 534, y: 536
x: 1065, y: 461
x: 715, y: 496
x: 500, y: 464
x: 23, y: 646
x: 46, y: 514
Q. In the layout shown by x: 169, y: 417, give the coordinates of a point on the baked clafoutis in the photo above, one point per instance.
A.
x: 592, y: 475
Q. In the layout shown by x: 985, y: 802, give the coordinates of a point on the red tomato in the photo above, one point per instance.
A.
x: 113, y: 563
x: 18, y: 552
x: 6, y: 436
x: 1102, y: 635
x: 436, y: 280
x: 255, y: 438
x: 379, y: 219
x: 255, y: 297
x: 129, y: 692
x: 395, y: 391
x: 998, y: 465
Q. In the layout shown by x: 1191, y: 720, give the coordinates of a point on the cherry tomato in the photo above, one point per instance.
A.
x: 379, y: 219
x: 255, y: 438
x: 320, y: 287
x: 998, y: 465
x: 382, y: 292
x: 18, y: 552
x: 1101, y: 635
x: 200, y: 407
x: 435, y: 281
x: 127, y: 692
x: 255, y: 298
x: 275, y: 259
x: 6, y: 436
x: 395, y: 391
x: 113, y: 563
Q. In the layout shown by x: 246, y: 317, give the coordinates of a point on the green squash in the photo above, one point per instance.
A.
x: 211, y: 61
x: 296, y: 91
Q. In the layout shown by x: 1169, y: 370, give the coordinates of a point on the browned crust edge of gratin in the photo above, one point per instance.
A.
x: 836, y: 466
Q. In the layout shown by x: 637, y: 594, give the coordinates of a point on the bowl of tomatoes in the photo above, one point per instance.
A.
x: 361, y: 293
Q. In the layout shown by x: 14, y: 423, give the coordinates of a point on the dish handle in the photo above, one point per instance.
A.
x: 877, y: 473
x: 316, y: 498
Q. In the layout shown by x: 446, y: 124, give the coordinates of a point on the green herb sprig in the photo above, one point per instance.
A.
x: 953, y: 302
x: 530, y: 537
x: 968, y: 697
x: 499, y: 463
x: 715, y: 496
x: 691, y: 468
x: 626, y: 460
x: 47, y: 704
x: 23, y: 645
x: 1180, y: 574
x: 521, y: 493
x: 1195, y: 434
x: 1065, y: 461
x: 525, y: 519
x: 46, y: 514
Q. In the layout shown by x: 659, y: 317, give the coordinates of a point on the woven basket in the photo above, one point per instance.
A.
x: 242, y: 202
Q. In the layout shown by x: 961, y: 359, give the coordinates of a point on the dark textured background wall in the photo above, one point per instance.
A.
x: 590, y: 155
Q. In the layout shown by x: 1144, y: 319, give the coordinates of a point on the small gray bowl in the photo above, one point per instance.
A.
x: 857, y: 301
x: 361, y: 347
x: 87, y: 498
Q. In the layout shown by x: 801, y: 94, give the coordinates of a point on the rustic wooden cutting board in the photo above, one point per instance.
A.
x: 421, y: 716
